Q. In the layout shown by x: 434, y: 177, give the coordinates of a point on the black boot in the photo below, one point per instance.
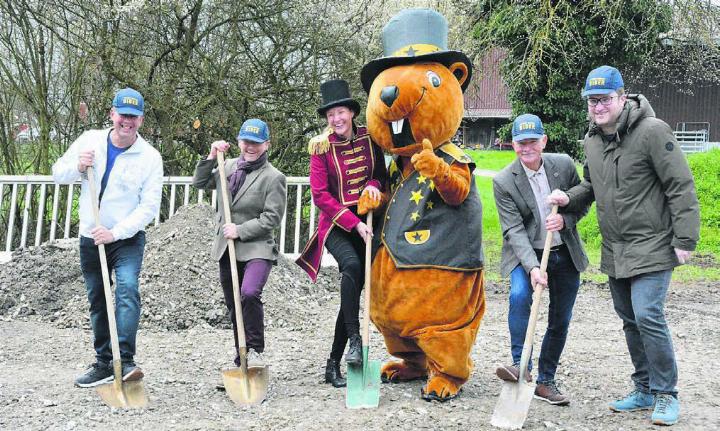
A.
x: 332, y: 373
x: 354, y: 354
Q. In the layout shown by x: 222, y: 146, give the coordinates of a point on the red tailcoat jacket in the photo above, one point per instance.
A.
x: 339, y: 172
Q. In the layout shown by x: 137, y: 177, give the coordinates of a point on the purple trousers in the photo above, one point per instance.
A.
x: 253, y: 275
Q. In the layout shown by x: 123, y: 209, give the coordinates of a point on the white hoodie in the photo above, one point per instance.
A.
x: 133, y: 191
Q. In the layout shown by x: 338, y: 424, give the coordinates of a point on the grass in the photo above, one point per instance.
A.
x: 491, y: 160
x: 706, y: 170
x: 492, y: 234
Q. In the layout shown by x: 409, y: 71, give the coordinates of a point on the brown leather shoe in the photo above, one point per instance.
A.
x: 550, y: 393
x: 510, y: 373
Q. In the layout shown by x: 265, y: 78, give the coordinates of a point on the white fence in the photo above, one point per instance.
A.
x: 44, y: 211
x: 695, y: 141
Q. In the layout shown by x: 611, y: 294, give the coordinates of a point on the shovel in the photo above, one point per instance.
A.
x: 117, y: 394
x: 363, y: 381
x: 514, y: 403
x: 244, y: 385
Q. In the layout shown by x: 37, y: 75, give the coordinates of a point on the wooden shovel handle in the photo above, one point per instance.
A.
x: 368, y: 262
x: 233, y: 263
x: 535, y: 309
x: 109, y: 303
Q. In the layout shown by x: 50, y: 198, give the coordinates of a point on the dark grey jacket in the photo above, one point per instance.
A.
x: 644, y: 190
x: 520, y: 218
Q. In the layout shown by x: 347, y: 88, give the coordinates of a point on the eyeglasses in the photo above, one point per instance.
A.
x: 605, y: 101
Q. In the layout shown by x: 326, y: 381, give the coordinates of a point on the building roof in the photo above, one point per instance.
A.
x: 487, y: 94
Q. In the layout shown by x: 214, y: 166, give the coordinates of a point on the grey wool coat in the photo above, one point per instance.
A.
x: 520, y: 218
x: 257, y: 209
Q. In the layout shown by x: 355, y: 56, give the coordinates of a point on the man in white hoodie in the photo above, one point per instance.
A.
x: 128, y: 176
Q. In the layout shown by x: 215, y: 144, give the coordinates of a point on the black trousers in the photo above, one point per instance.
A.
x: 348, y: 249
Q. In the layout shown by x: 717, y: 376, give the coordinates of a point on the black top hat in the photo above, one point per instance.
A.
x: 336, y: 92
x: 414, y: 36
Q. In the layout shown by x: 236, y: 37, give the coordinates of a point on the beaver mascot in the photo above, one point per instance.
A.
x: 427, y: 294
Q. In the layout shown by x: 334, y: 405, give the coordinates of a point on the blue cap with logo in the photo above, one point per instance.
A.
x: 527, y: 126
x: 129, y: 102
x: 254, y: 130
x: 603, y: 80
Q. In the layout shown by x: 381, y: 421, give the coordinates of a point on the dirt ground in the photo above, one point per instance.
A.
x: 184, y: 340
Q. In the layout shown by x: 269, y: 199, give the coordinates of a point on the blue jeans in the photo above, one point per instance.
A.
x: 125, y: 258
x: 640, y: 303
x: 563, y: 284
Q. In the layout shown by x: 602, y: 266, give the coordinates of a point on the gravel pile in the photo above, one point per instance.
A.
x: 179, y: 284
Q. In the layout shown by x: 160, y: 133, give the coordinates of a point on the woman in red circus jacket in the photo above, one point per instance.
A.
x: 344, y: 163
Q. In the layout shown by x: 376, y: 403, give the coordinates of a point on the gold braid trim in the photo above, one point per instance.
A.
x: 320, y: 144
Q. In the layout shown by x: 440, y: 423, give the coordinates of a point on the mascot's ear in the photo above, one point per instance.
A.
x: 460, y: 71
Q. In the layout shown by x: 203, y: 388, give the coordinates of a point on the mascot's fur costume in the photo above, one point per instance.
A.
x: 427, y: 279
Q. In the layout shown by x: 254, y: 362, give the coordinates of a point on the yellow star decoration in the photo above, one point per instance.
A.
x: 432, y: 185
x: 421, y: 179
x: 416, y: 196
x: 415, y: 215
x: 429, y: 205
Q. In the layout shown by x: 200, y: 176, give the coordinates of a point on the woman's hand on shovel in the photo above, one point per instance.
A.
x: 230, y: 231
x: 365, y: 232
x: 216, y: 146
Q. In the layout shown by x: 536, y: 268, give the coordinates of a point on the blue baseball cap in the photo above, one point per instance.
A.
x: 603, y: 80
x: 254, y: 130
x: 527, y: 126
x: 129, y: 102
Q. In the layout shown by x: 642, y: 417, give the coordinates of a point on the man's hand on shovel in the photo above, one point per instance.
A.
x: 538, y: 279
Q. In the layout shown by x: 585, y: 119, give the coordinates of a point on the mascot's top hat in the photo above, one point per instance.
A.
x: 414, y: 36
x: 336, y: 92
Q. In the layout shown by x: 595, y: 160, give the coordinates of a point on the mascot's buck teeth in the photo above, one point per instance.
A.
x: 397, y: 126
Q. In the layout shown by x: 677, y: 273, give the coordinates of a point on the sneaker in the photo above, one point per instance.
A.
x: 354, y: 354
x: 549, y: 392
x: 255, y: 358
x: 667, y: 410
x: 635, y: 400
x: 131, y: 372
x: 96, y: 374
x: 510, y: 373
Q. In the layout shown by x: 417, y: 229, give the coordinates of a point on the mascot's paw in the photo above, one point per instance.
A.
x: 426, y: 162
x: 396, y: 372
x: 367, y: 203
x: 440, y: 388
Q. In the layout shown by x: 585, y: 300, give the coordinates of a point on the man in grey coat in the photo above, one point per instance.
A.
x: 521, y: 191
x: 649, y: 220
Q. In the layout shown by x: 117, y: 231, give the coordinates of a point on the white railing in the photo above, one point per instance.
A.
x: 27, y: 196
x: 692, y: 141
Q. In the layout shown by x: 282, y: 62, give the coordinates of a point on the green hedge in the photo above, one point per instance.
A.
x: 706, y: 170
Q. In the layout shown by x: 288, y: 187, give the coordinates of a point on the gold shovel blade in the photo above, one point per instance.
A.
x: 246, y: 389
x: 513, y: 405
x: 127, y: 395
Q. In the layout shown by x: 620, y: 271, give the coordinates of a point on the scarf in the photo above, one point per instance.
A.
x: 242, y: 168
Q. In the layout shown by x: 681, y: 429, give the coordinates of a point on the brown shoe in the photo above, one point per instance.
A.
x: 549, y: 392
x: 510, y: 373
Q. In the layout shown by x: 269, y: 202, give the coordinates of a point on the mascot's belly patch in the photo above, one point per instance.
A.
x: 446, y: 300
